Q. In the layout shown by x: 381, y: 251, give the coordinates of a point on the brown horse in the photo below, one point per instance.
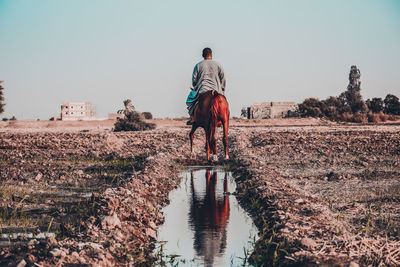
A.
x: 212, y: 109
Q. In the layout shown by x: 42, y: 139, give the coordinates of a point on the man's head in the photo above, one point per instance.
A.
x: 207, y: 53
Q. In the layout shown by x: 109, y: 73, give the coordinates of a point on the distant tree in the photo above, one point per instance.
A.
x: 344, y: 105
x: 353, y: 101
x: 13, y: 118
x: 392, y: 105
x: 129, y: 107
x: 375, y: 105
x: 1, y: 98
x: 311, y: 107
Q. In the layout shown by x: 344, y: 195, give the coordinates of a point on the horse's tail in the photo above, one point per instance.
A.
x: 215, y: 106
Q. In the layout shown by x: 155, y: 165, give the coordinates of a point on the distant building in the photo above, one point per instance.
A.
x: 74, y: 111
x: 267, y: 110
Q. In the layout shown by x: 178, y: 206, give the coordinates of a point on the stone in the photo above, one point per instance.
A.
x: 75, y: 255
x: 32, y: 258
x: 56, y: 252
x: 22, y: 263
x: 354, y: 264
x: 308, y: 242
x: 33, y: 242
x: 110, y: 222
x: 52, y: 242
x: 38, y: 176
x: 299, y: 201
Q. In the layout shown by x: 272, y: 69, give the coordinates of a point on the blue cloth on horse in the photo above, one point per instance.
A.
x: 191, y: 101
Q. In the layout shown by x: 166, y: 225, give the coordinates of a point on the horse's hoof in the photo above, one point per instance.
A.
x: 226, y: 157
x: 215, y: 158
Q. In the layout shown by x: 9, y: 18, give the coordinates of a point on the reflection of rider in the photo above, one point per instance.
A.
x: 207, y: 75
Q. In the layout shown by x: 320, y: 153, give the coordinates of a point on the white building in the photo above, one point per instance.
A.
x: 74, y: 111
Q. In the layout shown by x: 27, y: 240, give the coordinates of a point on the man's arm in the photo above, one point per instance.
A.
x: 195, y: 76
x: 221, y: 76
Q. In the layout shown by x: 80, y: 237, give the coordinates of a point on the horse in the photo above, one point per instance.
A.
x: 212, y: 109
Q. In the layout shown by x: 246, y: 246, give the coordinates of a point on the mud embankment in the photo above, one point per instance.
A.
x: 128, y: 176
x: 322, y: 197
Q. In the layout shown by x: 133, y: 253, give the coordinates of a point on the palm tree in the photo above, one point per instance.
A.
x: 1, y: 98
x: 129, y: 108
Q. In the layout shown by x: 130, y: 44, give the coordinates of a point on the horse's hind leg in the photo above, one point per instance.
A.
x: 207, y: 130
x: 213, y: 142
x: 194, y: 127
x: 225, y: 138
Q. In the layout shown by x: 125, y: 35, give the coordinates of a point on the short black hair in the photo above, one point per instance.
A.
x: 207, y: 52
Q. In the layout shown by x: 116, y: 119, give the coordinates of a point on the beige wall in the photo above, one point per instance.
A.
x: 271, y: 109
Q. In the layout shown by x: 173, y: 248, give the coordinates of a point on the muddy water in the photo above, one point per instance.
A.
x: 204, y: 223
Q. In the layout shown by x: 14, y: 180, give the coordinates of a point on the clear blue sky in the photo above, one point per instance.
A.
x: 107, y: 51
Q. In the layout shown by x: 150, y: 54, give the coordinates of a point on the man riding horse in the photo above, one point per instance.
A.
x: 207, y: 105
x: 208, y: 75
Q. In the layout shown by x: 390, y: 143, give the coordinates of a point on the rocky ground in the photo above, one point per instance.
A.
x: 320, y: 193
x: 329, y: 195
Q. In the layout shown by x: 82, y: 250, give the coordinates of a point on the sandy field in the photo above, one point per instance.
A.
x: 320, y: 193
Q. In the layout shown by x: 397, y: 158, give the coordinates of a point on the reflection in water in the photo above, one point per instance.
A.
x: 209, y: 217
x: 204, y: 224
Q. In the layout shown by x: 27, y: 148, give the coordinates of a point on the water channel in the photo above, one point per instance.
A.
x: 204, y: 223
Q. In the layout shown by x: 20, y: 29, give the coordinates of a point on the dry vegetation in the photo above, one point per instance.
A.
x: 134, y: 121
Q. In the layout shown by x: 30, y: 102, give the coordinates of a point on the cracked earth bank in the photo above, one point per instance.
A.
x: 319, y: 194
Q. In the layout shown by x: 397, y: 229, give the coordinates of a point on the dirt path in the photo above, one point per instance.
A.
x: 324, y: 194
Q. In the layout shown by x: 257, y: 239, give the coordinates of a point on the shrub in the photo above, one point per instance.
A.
x: 148, y: 115
x: 13, y: 118
x: 133, y: 121
x: 377, y: 117
x: 346, y: 116
x: 311, y: 107
x: 383, y: 117
x: 392, y: 105
x: 360, y: 117
x: 4, y: 119
x: 373, y: 117
x: 392, y: 117
x: 375, y: 104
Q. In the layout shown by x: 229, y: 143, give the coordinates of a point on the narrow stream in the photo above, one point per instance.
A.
x: 204, y: 223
